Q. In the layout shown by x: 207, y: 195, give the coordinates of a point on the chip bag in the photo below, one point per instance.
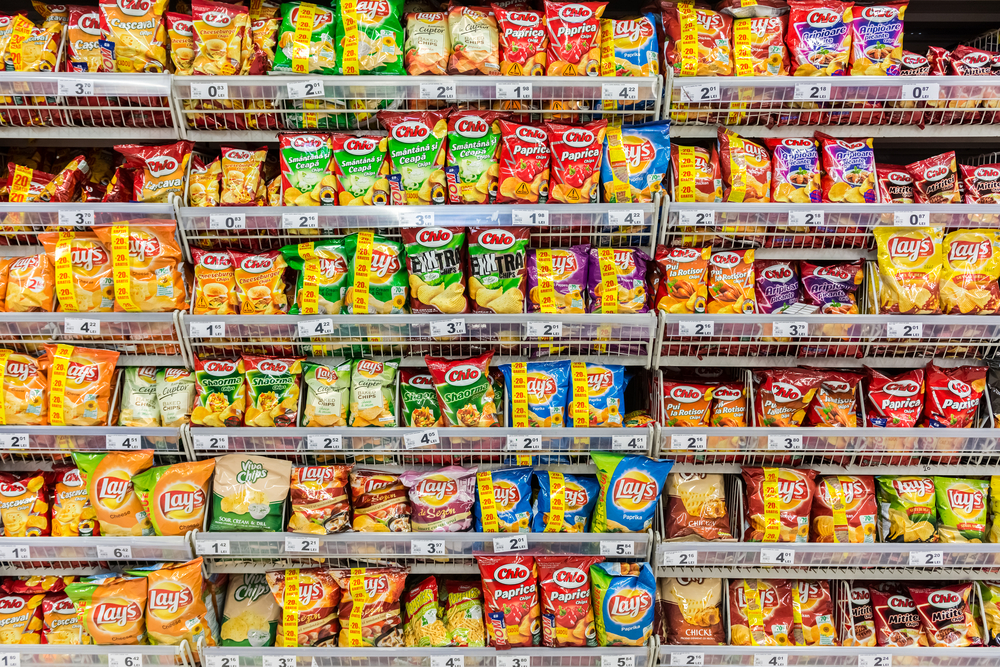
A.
x: 760, y: 612
x: 746, y: 168
x: 910, y: 264
x: 524, y: 164
x: 981, y: 185
x: 441, y: 500
x: 147, y: 266
x: 215, y: 283
x: 322, y: 276
x: 497, y: 268
x: 779, y: 501
x: 831, y: 289
x: 636, y: 172
x: 377, y: 619
x: 685, y: 404
x: 112, y: 608
x: 180, y: 31
x: 250, y: 616
x: 373, y: 393
x: 316, y: 620
x: 248, y: 493
x: 204, y: 182
x: 698, y: 40
x: 564, y: 503
x: 848, y: 170
x: 379, y: 502
x: 819, y: 37
x: 696, y: 506
x: 968, y: 283
x: 953, y: 396
x: 877, y: 39
x: 473, y: 149
x: 630, y: 489
x: 759, y: 46
x: 272, y: 391
x: 475, y: 47
x: 260, y: 282
x: 376, y: 281
x: 812, y: 608
x: 328, y: 394
x: 320, y: 503
x: 620, y: 273
x: 945, y: 614
x: 596, y: 395
x: 83, y: 32
x: 305, y: 166
x: 835, y: 403
x: 420, y: 138
x: 557, y: 279
x: 25, y: 390
x: 242, y: 178
x: 574, y: 38
x: 435, y: 260
x: 908, y: 512
x: 138, y: 407
x: 896, y: 622
x: 83, y: 271
x: 731, y: 282
x: 306, y: 46
x: 695, y: 174
x: 159, y: 170
x: 138, y: 34
x: 961, y: 509
x: 538, y: 393
x: 419, y: 398
x: 72, y: 513
x: 620, y: 623
x: 80, y: 382
x: 935, y: 180
x: 25, y: 510
x: 62, y: 626
x: 377, y: 37
x: 795, y: 175
x: 844, y: 510
x: 110, y: 489
x: 512, y: 609
x: 464, y: 390
x: 360, y: 169
x: 220, y: 31
x: 221, y: 394
x: 567, y: 617
x: 175, y: 496
x: 894, y: 401
x: 175, y: 608
x: 576, y: 161
x: 428, y: 44
x: 523, y: 41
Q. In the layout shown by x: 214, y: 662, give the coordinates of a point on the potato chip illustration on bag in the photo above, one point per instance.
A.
x: 251, y: 614
x: 215, y: 283
x: 138, y: 32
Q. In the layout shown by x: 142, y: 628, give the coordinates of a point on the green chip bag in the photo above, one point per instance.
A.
x: 995, y: 510
x: 379, y: 40
x: 420, y: 403
x: 497, y: 273
x: 221, y: 397
x: 359, y: 166
x: 322, y: 276
x: 435, y: 259
x: 322, y: 56
x: 387, y: 285
x: 250, y: 615
x: 907, y: 509
x: 416, y: 156
x: 473, y: 148
x: 305, y: 169
x: 248, y: 493
x: 328, y: 394
x: 272, y: 391
x: 464, y: 390
x: 373, y: 393
x: 961, y: 508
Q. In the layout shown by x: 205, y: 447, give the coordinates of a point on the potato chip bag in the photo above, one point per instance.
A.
x: 564, y: 503
x: 264, y: 33
x: 83, y: 271
x: 598, y: 400
x: 971, y: 268
x: 524, y: 164
x: 379, y: 502
x: 635, y: 172
x: 25, y: 389
x: 731, y: 282
x: 746, y: 168
x: 685, y: 404
x: 419, y: 399
x: 241, y: 175
x: 783, y: 395
x: 538, y: 393
x: 417, y: 148
x: 759, y: 46
x: 683, y: 288
x: 220, y: 30
x: 175, y: 608
x: 945, y: 614
x: 38, y: 51
x: 441, y: 500
x: 147, y: 266
x: 306, y: 39
x: 464, y: 390
x: 118, y: 509
x: 897, y: 624
x: 322, y: 278
x: 21, y: 618
x: 138, y: 33
x: 248, y: 493
x: 360, y: 168
x: 221, y: 396
x: 25, y: 509
x: 835, y: 403
x: 510, y: 511
x: 305, y: 165
x: 698, y: 40
x: 112, y: 607
x: 908, y: 511
x: 61, y: 624
x: 272, y: 390
x: 260, y: 282
x: 328, y: 393
x: 319, y: 599
x: 424, y: 626
x: 30, y: 286
x: 435, y: 260
x: 696, y: 506
x: 630, y: 489
x: 877, y: 39
x: 779, y: 501
x: 475, y: 44
x: 574, y: 44
x: 473, y: 150
x: 844, y: 510
x: 692, y: 611
x: 376, y: 281
x: 175, y: 496
x: 377, y: 38
x: 621, y: 623
x: 511, y: 600
x: 377, y: 619
x: 935, y: 180
x: 159, y: 170
x: 251, y: 614
x: 812, y: 607
x: 910, y: 265
x: 523, y: 40
x: 953, y: 395
x: 138, y: 407
x: 695, y: 174
x: 204, y: 182
x: 428, y: 44
x: 819, y: 37
x: 79, y: 384
x: 72, y: 513
x: 629, y: 47
x: 215, y: 283
x: 576, y: 162
x: 83, y: 54
x: 557, y: 279
x: 961, y: 508
x: 567, y: 616
x: 620, y: 273
x: 894, y: 401
x: 895, y: 184
x: 497, y: 268
x: 373, y: 393
x: 320, y: 502
x: 848, y: 170
x: 180, y: 31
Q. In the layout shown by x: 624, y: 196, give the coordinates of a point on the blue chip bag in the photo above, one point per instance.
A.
x: 647, y: 161
x: 623, y: 596
x: 579, y: 494
x: 605, y: 396
x: 630, y: 488
x: 512, y: 500
x: 635, y: 45
x: 548, y: 391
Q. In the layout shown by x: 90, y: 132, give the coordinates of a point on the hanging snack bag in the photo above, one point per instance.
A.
x: 576, y: 160
x: 557, y: 279
x: 567, y: 616
x: 759, y: 46
x: 83, y: 271
x: 424, y: 627
x: 376, y: 279
x: 617, y: 624
x: 441, y: 500
x: 961, y: 509
x: 180, y: 31
x: 783, y: 396
x: 248, y: 493
x: 159, y: 170
x: 250, y: 616
x: 620, y: 274
x: 25, y: 509
x: 305, y: 166
x: 419, y: 399
x: 953, y: 396
x: 746, y: 168
x: 475, y: 44
x: 138, y: 36
x: 137, y: 406
x: 435, y: 260
x: 760, y: 612
x: 25, y: 390
x: 464, y: 390
x: 971, y: 268
x: 322, y: 276
x: 315, y: 616
x: 427, y: 45
x: 147, y: 266
x: 946, y: 615
x: 831, y: 288
x: 510, y: 510
x: 574, y: 38
x: 175, y: 606
x: 630, y: 488
x: 908, y: 511
x: 473, y: 150
x: 844, y: 510
x: 819, y: 37
x: 935, y: 180
x: 112, y: 608
x: 981, y: 184
x: 72, y: 513
x: 795, y: 174
x: 696, y: 506
x: 512, y: 609
x: 523, y: 41
x: 497, y: 270
x: 538, y: 393
x: 695, y: 174
x: 897, y: 623
x: 691, y: 609
x: 30, y: 285
x: 272, y: 391
x: 417, y: 148
x: 328, y: 393
x: 812, y: 607
x: 629, y: 47
x: 848, y: 170
x: 373, y: 391
x: 697, y: 40
x: 862, y: 621
x: 731, y: 282
x: 463, y: 612
x: 220, y: 31
x: 564, y: 503
x: 683, y: 287
x: 524, y: 164
x: 306, y: 40
x: 175, y: 496
x: 83, y: 33
x: 175, y: 390
x: 635, y: 172
x: 220, y: 398
x: 204, y: 182
x: 596, y: 395
x: 369, y: 38
x: 910, y: 264
x: 877, y: 39
x: 109, y: 478
x: 380, y: 502
x: 80, y: 384
x: 260, y: 282
x: 729, y: 405
x: 320, y: 503
x: 779, y: 501
x: 360, y: 168
x: 894, y: 401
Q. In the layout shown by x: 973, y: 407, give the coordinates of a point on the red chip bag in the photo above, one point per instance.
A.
x: 779, y: 501
x: 835, y: 403
x: 935, y: 180
x: 574, y: 46
x: 896, y: 622
x: 895, y: 184
x: 567, y: 617
x: 729, y: 405
x: 812, y: 606
x: 770, y: 623
x: 945, y: 614
x: 853, y: 520
x: 576, y: 162
x: 746, y: 168
x: 894, y: 402
x: 523, y: 41
x: 159, y: 170
x: 512, y: 610
x: 524, y: 164
x: 695, y: 174
x: 783, y: 395
x: 697, y: 40
x: 982, y: 183
x: 953, y: 396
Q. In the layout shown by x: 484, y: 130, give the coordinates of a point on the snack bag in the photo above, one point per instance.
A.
x: 25, y: 390
x: 305, y: 166
x: 795, y: 175
x: 969, y: 279
x: 441, y: 500
x: 242, y: 177
x: 895, y: 184
x: 147, y: 266
x: 621, y: 274
x: 373, y: 393
x: 862, y: 632
x: 215, y: 283
x: 475, y: 47
x: 138, y: 406
x: 935, y: 180
x: 683, y: 287
x: 204, y: 182
x: 629, y: 47
x: 776, y: 287
x: 746, y: 169
x: 524, y: 164
x: 424, y: 626
x: 159, y: 170
x: 378, y: 48
x: 25, y: 510
x: 576, y: 160
x: 320, y: 503
x: 695, y: 174
x: 685, y: 404
x: 981, y: 184
x: 379, y: 502
x: 953, y: 396
x: 260, y: 282
x: 596, y: 395
x: 636, y: 172
x: 557, y: 279
x: 894, y: 402
x: 79, y: 384
x: 696, y: 505
x: 812, y: 607
x: 435, y: 260
x: 139, y: 38
x: 510, y: 511
x: 111, y: 607
x: 896, y: 622
x: 220, y: 31
x: 376, y: 280
x: 835, y: 403
x: 251, y: 614
x: 62, y: 626
x: 564, y: 502
x: 760, y: 612
x: 844, y: 510
x: 574, y: 39
x: 464, y: 390
x: 786, y: 520
x: 180, y: 31
x: 272, y: 391
x: 248, y: 493
x: 220, y: 398
x: 83, y: 33
x: 691, y: 611
x: 567, y: 617
x: 729, y: 405
x: 697, y: 40
x: 316, y: 620
x: 322, y: 276
x: 175, y: 496
x: 523, y: 40
x: 848, y: 170
x: 360, y: 168
x: 907, y: 509
x: 910, y: 266
x: 731, y: 282
x: 544, y: 386
x: 630, y: 488
x: 512, y: 609
x: 420, y: 137
x: 306, y: 46
x: 419, y: 398
x: 72, y: 513
x: 618, y: 625
x: 497, y: 270
x: 961, y: 509
x: 473, y: 149
x: 109, y: 477
x: 945, y: 614
x: 175, y: 607
x: 328, y: 393
x: 759, y: 46
x: 30, y: 285
x: 380, y: 617
x: 877, y: 39
x: 783, y: 396
x: 83, y: 271
x: 427, y: 45
x: 819, y: 37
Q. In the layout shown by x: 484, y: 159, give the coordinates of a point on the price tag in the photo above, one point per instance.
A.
x: 298, y: 90
x: 416, y: 219
x: 308, y: 220
x: 770, y: 660
x: 227, y: 221
x: 911, y: 218
x: 926, y: 559
x: 75, y: 88
x: 784, y: 442
x: 708, y: 92
x: 921, y: 91
x: 878, y: 660
x: 519, y: 442
x: 629, y: 218
x: 321, y: 327
x: 322, y: 443
x: 617, y: 548
x: 529, y: 217
x: 513, y: 91
x: 212, y: 547
x: 208, y: 329
x: 124, y: 660
x: 447, y: 661
x: 791, y: 329
x: 680, y: 558
x: 689, y: 441
x: 209, y: 91
x: 72, y: 325
x: 10, y: 660
x: 454, y: 327
x: 279, y: 661
x: 211, y: 443
x: 617, y: 661
x: 425, y: 548
x: 223, y: 661
x: 515, y: 542
x: 297, y: 544
x: 687, y: 659
x: 904, y: 329
x: 437, y: 90
x: 777, y: 557
x: 811, y: 92
x: 628, y: 442
x: 114, y: 553
x: 416, y: 439
x: 690, y: 218
x: 545, y: 329
x: 20, y: 552
x: 513, y: 660
x: 619, y: 91
x: 122, y: 442
x: 689, y: 328
x: 14, y: 440
x: 79, y: 218
x: 805, y: 218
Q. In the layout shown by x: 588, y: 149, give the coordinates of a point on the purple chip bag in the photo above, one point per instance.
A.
x: 819, y: 37
x: 831, y: 288
x: 569, y: 268
x: 777, y: 285
x: 630, y: 270
x: 442, y: 499
x: 877, y: 39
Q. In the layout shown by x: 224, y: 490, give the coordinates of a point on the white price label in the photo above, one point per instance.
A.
x: 926, y: 559
x: 420, y: 219
x: 690, y: 218
x: 618, y: 549
x: 507, y: 661
x: 877, y: 660
x: 777, y: 557
x: 298, y: 544
x: 689, y: 328
x: 75, y: 88
x: 124, y: 660
x: 635, y: 443
x: 227, y: 221
x: 687, y: 659
x: 454, y: 327
x: 10, y: 660
x: 519, y: 442
x: 209, y: 91
x: 816, y: 92
x: 223, y: 661
x: 122, y: 442
x: 790, y: 329
x: 921, y: 91
x: 298, y: 90
x: 418, y: 439
x: 425, y: 548
x: 20, y: 552
x: 306, y: 220
x: 321, y: 327
x: 904, y: 329
x: 697, y: 441
x: 114, y: 553
x: 805, y: 218
x: 15, y: 441
x: 708, y: 92
x: 544, y: 329
x: 279, y: 661
x: 911, y: 218
x: 211, y: 443
x: 617, y: 661
x: 516, y: 542
x: 680, y: 558
x: 529, y: 217
x: 627, y: 218
x: 784, y: 442
x: 322, y: 443
x: 212, y: 547
x: 513, y: 91
x: 208, y: 329
x: 770, y: 660
x: 620, y: 91
x: 437, y: 90
x: 72, y: 325
x: 79, y: 218
x: 447, y: 661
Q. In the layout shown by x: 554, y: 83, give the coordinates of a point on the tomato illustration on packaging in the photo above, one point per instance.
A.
x: 624, y: 596
x: 630, y: 489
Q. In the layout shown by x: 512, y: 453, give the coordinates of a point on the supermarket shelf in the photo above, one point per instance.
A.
x: 422, y: 657
x: 827, y: 656
x: 929, y: 135
x: 59, y: 655
x: 21, y: 222
x: 23, y: 442
x: 28, y: 555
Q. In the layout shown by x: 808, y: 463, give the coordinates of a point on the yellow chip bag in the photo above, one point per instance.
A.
x: 79, y: 384
x: 971, y: 268
x: 147, y: 266
x: 139, y: 34
x: 72, y: 513
x: 24, y: 510
x: 910, y: 264
x: 25, y: 390
x: 214, y: 283
x: 82, y: 270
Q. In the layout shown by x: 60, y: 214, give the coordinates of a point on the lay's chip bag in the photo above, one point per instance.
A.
x: 564, y: 502
x: 629, y: 47
x: 635, y: 160
x: 175, y: 608
x: 623, y: 596
x: 305, y: 39
x: 599, y: 400
x: 175, y: 496
x: 322, y: 276
x: 538, y: 392
x: 112, y: 607
x: 109, y: 477
x: 369, y: 37
x: 630, y: 488
x: 510, y: 510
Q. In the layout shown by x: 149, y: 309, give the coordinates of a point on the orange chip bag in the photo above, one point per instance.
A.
x: 25, y: 508
x: 83, y: 51
x: 180, y: 30
x: 147, y: 266
x: 21, y: 619
x: 139, y: 35
x: 685, y: 404
x: 759, y: 46
x: 160, y: 170
x: 909, y: 264
x: 260, y: 282
x: 214, y: 283
x: 574, y: 31
x: 731, y: 281
x: 31, y: 285
x: 203, y: 184
x: 241, y: 175
x: 5, y: 263
x: 112, y: 608
x: 175, y: 609
x: 971, y: 268
x: 175, y: 496
x: 24, y: 391
x: 219, y: 32
x: 683, y: 287
x: 117, y: 508
x: 79, y: 384
x: 39, y: 50
x: 698, y: 39
x: 83, y: 280
x: 746, y: 168
x: 72, y: 513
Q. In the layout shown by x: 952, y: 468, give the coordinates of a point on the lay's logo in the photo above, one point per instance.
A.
x: 112, y: 491
x: 792, y: 489
x: 181, y: 501
x: 109, y: 613
x: 635, y: 490
x: 506, y: 494
x: 966, y: 502
x: 920, y: 487
x: 970, y: 251
x: 640, y: 154
x: 599, y: 383
x: 629, y: 604
x: 82, y: 373
x: 905, y: 247
x: 576, y: 496
x: 169, y: 599
x: 370, y: 367
x: 321, y: 17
